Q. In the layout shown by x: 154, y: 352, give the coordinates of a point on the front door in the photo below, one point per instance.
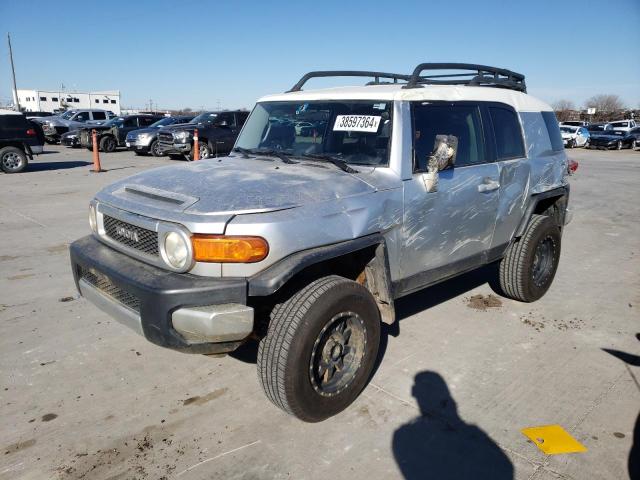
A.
x: 450, y: 230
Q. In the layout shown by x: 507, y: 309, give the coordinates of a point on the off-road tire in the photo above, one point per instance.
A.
x: 13, y: 160
x: 516, y: 269
x: 108, y: 144
x: 285, y: 353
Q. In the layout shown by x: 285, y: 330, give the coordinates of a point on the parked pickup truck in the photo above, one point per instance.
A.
x: 304, y: 243
x: 20, y: 139
x: 145, y: 140
x: 113, y: 133
x: 217, y: 132
x: 56, y: 126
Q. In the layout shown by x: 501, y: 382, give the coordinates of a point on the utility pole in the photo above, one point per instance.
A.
x: 13, y: 71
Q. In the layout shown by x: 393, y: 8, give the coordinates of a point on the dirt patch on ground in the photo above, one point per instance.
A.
x: 16, y: 447
x: 63, y: 247
x: 21, y: 276
x: 483, y: 302
x: 205, y: 398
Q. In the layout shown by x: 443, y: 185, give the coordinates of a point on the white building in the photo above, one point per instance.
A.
x: 51, y: 100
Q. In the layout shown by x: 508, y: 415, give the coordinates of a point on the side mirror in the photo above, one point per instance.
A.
x: 445, y: 149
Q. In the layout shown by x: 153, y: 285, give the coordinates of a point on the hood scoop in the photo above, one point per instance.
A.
x: 156, y: 197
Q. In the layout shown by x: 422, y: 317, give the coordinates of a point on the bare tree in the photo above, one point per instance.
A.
x: 564, y: 110
x: 605, y: 103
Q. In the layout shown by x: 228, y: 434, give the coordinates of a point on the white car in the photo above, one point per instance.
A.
x: 622, y: 125
x: 574, y: 136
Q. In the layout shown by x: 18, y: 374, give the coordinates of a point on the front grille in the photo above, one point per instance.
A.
x: 165, y: 137
x: 106, y: 286
x: 132, y: 236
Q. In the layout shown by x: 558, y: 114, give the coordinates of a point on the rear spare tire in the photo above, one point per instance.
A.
x: 320, y: 348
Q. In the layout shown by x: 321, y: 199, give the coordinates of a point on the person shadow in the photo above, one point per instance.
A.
x: 439, y: 445
x: 634, y: 455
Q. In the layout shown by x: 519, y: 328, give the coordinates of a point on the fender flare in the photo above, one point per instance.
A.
x: 377, y: 271
x: 559, y: 192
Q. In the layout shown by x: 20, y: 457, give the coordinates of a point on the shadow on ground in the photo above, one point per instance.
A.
x: 405, y: 307
x: 634, y: 454
x: 439, y: 445
x: 36, y: 166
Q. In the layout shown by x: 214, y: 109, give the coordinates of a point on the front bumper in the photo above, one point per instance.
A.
x: 137, y: 145
x: 174, y: 148
x: 70, y: 141
x: 174, y: 310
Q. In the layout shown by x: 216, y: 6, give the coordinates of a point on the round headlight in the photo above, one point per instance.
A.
x: 93, y: 221
x: 176, y: 250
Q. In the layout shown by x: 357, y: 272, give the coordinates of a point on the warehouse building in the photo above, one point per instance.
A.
x: 51, y: 100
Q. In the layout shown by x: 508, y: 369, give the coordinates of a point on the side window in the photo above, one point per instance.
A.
x: 99, y: 116
x: 507, y: 131
x: 130, y: 122
x: 241, y: 117
x: 463, y: 121
x: 81, y: 117
x: 146, y: 121
x: 554, y: 131
x: 225, y: 117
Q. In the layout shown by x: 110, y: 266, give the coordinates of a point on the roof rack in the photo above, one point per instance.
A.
x: 351, y: 73
x: 477, y: 75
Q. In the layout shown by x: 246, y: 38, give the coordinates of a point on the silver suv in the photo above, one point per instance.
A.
x: 303, y: 238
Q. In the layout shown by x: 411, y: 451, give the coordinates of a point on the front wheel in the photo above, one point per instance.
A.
x: 204, y: 149
x: 530, y: 264
x: 108, y: 144
x: 12, y: 160
x: 320, y: 348
x: 154, y: 149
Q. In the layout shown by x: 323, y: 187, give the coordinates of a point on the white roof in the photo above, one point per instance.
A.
x: 518, y: 100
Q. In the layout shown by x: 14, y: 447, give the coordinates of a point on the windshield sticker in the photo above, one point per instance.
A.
x: 356, y: 123
x: 379, y: 106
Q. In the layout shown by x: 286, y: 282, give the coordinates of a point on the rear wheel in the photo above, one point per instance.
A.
x: 530, y: 264
x: 13, y: 160
x: 320, y: 348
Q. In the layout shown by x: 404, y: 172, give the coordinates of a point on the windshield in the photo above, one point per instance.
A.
x: 356, y: 132
x: 163, y: 122
x: 206, y: 117
x: 114, y: 122
x: 68, y: 114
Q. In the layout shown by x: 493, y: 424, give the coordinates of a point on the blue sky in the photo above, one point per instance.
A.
x: 193, y: 53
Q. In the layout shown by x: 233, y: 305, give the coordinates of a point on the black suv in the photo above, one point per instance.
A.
x: 19, y: 140
x: 217, y: 133
x: 113, y: 134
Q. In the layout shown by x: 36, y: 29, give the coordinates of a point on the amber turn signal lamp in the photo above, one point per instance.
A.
x: 228, y: 249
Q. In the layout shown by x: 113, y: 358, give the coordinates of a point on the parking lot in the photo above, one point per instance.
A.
x: 85, y: 398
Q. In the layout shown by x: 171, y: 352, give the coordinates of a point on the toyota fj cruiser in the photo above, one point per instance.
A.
x: 304, y: 242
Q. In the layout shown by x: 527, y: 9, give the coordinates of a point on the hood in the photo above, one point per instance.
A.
x: 183, y: 126
x: 223, y: 187
x: 607, y: 136
x: 143, y: 130
x: 567, y: 135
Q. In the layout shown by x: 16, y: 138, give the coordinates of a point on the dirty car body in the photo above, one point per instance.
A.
x: 349, y: 197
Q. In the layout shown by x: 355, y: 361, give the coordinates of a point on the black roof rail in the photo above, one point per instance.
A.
x: 351, y: 73
x: 477, y: 75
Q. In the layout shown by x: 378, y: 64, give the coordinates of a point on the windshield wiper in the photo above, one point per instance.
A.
x: 265, y: 151
x: 338, y: 162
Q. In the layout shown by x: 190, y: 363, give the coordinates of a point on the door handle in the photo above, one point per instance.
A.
x: 488, y: 185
